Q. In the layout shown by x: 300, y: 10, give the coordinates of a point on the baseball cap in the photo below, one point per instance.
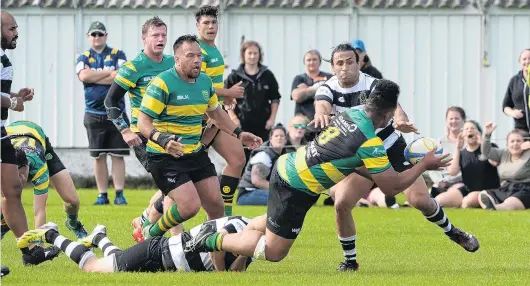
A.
x: 358, y: 44
x: 97, y: 26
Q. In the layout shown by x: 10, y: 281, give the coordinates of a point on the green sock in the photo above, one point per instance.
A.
x: 215, y: 242
x: 169, y: 219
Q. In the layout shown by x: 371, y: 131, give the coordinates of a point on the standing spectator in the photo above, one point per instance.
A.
x: 254, y: 184
x: 256, y: 111
x: 96, y: 68
x: 364, y: 60
x: 305, y: 85
x: 514, y: 172
x: 516, y: 101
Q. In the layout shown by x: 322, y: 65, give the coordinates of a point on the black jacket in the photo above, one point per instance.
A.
x: 518, y: 96
x: 369, y: 69
x: 261, y: 90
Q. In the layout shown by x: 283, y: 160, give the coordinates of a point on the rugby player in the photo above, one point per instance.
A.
x: 171, y: 114
x: 133, y: 78
x: 213, y: 65
x: 350, y: 88
x: 348, y: 145
x: 44, y: 166
x: 152, y: 255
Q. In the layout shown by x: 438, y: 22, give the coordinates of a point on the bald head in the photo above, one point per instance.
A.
x: 9, y: 31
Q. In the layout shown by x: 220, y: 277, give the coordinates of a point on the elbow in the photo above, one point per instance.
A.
x: 255, y: 180
x: 452, y: 172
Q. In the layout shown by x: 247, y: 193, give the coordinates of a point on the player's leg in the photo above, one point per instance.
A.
x: 451, y: 198
x: 4, y: 228
x: 167, y: 203
x: 346, y: 194
x: 206, y: 182
x: 64, y: 185
x: 231, y: 150
x: 39, y: 208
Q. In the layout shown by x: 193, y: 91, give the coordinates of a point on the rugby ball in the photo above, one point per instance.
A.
x: 415, y: 151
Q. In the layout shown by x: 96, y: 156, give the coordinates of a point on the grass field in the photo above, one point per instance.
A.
x: 393, y: 247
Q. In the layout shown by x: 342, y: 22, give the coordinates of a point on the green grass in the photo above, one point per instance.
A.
x: 393, y: 247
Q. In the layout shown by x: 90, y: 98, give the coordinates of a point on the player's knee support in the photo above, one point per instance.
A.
x: 259, y: 251
x: 159, y: 205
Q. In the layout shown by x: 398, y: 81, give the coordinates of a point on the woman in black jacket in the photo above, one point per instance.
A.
x: 256, y: 111
x: 516, y: 101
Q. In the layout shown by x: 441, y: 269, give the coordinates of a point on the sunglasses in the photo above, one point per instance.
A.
x: 96, y: 34
x: 300, y: 125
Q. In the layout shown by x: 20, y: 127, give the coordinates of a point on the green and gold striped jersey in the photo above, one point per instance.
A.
x: 135, y: 75
x: 34, y: 145
x: 348, y: 143
x: 213, y: 65
x: 178, y: 107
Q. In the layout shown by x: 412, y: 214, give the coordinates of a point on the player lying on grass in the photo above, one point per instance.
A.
x: 152, y: 255
x: 39, y: 163
x: 349, y: 144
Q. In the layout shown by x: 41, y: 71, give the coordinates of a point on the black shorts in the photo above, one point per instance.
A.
x: 169, y: 172
x: 8, y: 151
x: 286, y: 207
x: 102, y: 134
x: 141, y: 152
x: 147, y: 256
x: 520, y: 191
x: 396, y: 155
x: 55, y: 165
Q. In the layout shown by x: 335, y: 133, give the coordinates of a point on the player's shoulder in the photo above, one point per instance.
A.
x: 204, y: 79
x: 169, y: 58
x: 361, y: 120
x: 368, y: 80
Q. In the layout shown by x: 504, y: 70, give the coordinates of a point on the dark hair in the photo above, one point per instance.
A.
x: 343, y: 48
x: 21, y: 159
x: 383, y: 97
x: 151, y: 23
x: 313, y: 52
x: 248, y: 44
x: 278, y: 126
x: 456, y: 109
x: 207, y: 10
x: 477, y: 125
x: 185, y: 38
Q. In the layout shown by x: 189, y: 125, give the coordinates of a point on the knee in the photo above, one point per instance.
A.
x: 275, y: 255
x: 237, y: 160
x: 189, y: 209
x: 13, y: 190
x: 342, y: 207
x: 72, y: 202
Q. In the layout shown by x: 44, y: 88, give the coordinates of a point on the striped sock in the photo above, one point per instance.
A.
x: 348, y: 248
x: 440, y: 219
x: 215, y: 242
x: 144, y: 216
x: 168, y: 220
x: 105, y: 245
x: 76, y: 251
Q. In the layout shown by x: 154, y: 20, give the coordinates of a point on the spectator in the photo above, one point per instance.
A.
x: 364, y: 60
x: 514, y: 172
x: 305, y: 85
x: 254, y: 185
x: 454, y: 122
x: 256, y: 111
x: 516, y: 101
x: 96, y: 68
x: 477, y: 173
x: 297, y: 131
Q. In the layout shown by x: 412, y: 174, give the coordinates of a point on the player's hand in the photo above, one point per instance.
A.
x: 174, y: 147
x: 131, y: 138
x: 237, y: 91
x: 405, y: 127
x: 302, y: 85
x: 525, y: 146
x: 26, y: 94
x: 320, y: 121
x: 230, y: 103
x: 250, y: 140
x: 269, y: 124
x: 490, y: 127
x: 517, y: 113
x: 433, y: 162
x: 460, y: 141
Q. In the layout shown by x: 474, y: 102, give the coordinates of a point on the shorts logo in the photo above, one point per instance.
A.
x: 205, y: 95
x: 48, y: 157
x: 172, y: 180
x: 296, y: 230
x: 226, y: 190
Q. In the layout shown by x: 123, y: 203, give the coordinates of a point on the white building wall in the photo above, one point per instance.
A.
x: 436, y: 56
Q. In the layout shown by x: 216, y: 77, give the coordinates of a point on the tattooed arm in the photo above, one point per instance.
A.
x: 258, y: 176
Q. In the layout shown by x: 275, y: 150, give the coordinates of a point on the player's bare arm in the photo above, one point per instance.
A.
x: 322, y: 114
x: 258, y: 176
x: 12, y: 102
x: 165, y: 140
x: 401, y: 121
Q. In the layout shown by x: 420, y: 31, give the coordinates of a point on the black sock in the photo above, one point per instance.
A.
x: 119, y: 192
x: 105, y: 195
x: 390, y: 201
x: 228, y: 189
x: 440, y: 219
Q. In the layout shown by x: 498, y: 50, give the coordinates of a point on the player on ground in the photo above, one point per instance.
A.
x: 44, y: 166
x: 133, y: 78
x: 350, y: 88
x: 348, y: 145
x: 152, y: 255
x: 171, y: 114
x: 213, y: 65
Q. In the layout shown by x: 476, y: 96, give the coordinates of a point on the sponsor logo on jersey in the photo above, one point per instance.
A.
x: 206, y: 95
x: 183, y: 97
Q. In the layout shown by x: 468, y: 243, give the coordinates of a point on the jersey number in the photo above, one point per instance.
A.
x: 328, y: 134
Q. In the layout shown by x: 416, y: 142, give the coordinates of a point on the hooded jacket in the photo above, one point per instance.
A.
x: 518, y: 97
x: 369, y: 69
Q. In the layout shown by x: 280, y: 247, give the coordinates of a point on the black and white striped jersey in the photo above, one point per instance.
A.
x: 190, y: 261
x: 6, y: 80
